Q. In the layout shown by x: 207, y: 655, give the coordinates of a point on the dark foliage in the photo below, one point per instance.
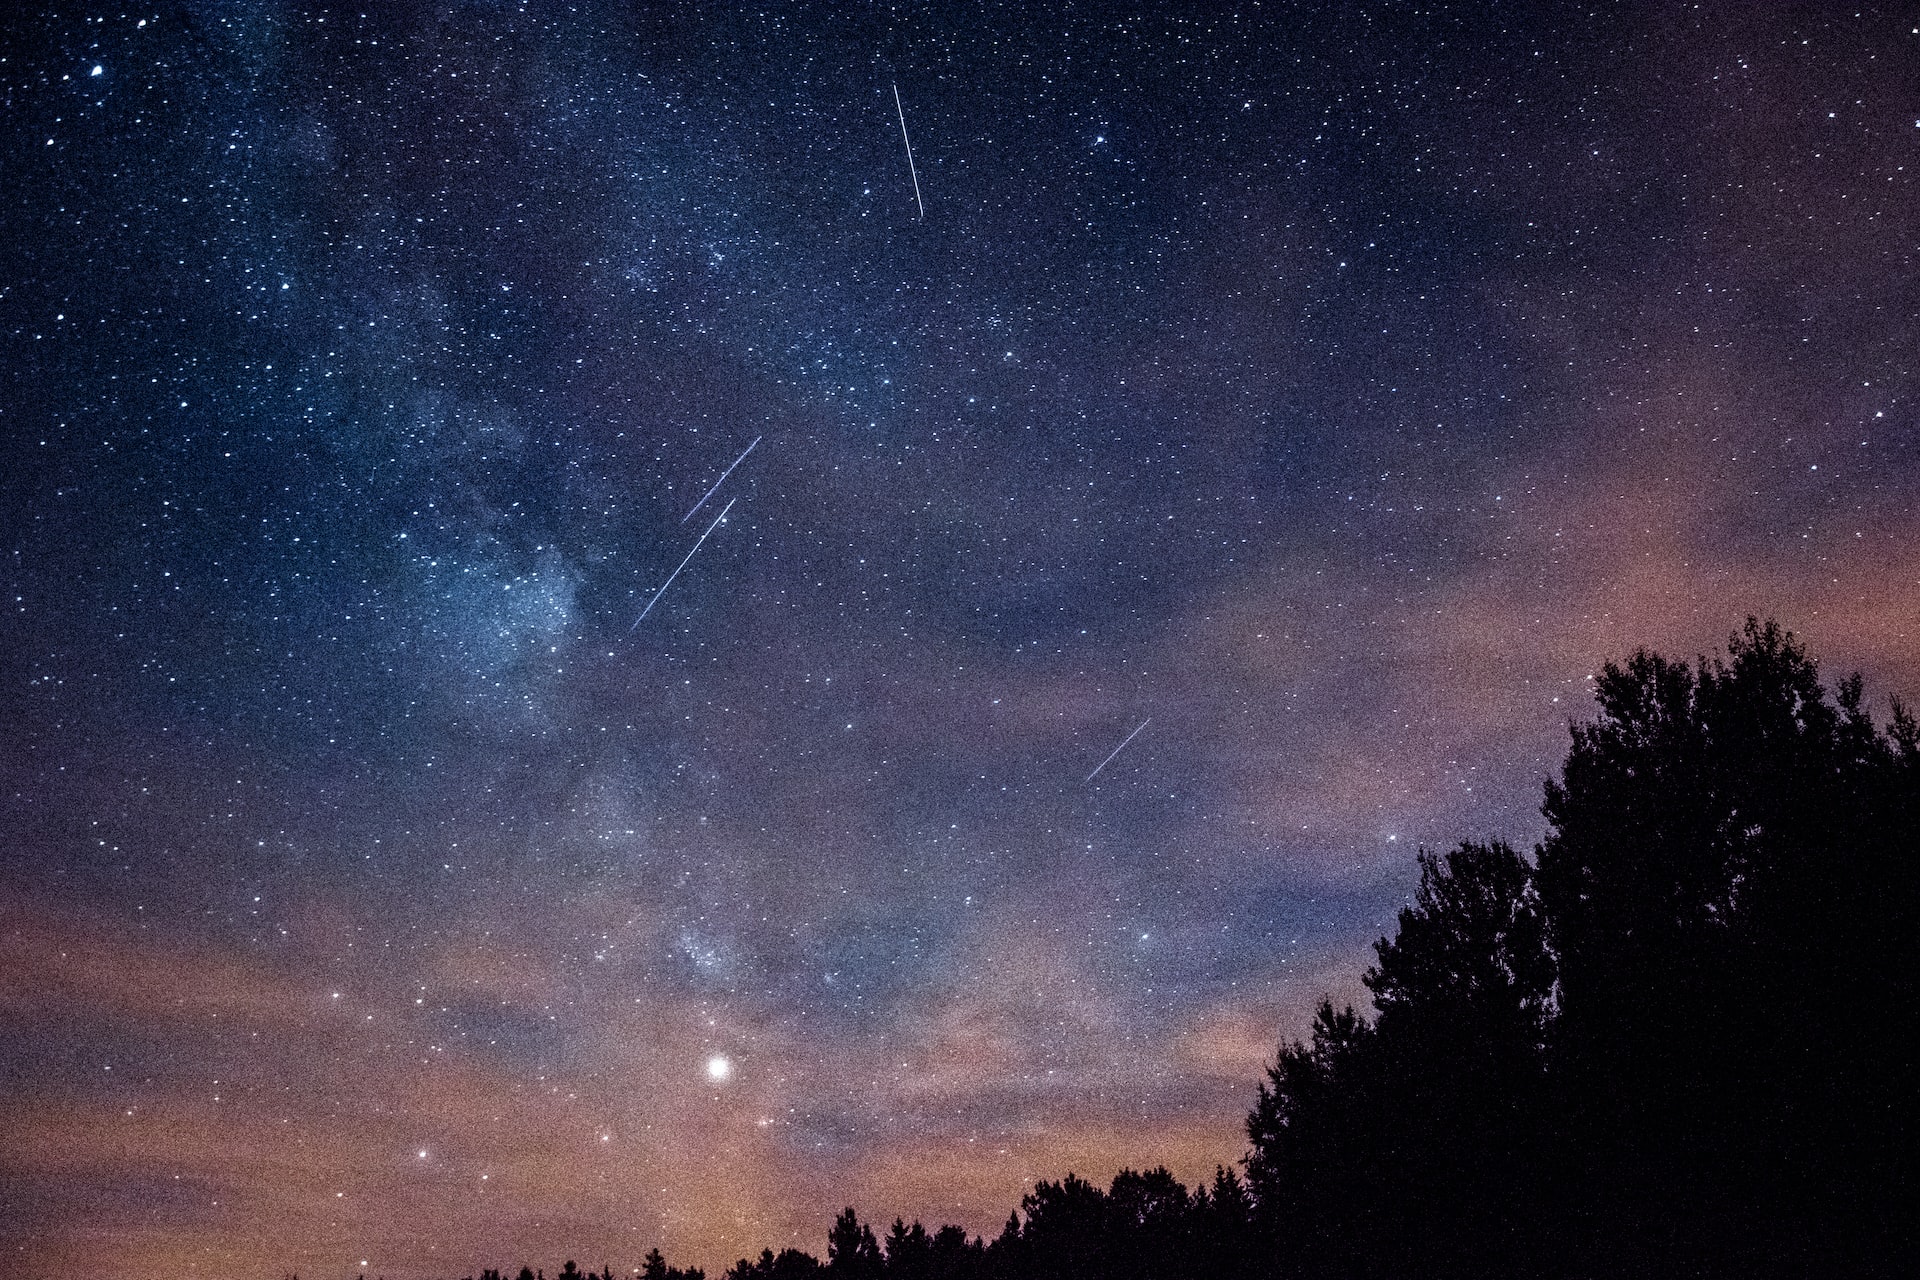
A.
x: 1677, y: 1041
x: 1729, y: 881
x: 788, y: 1264
x: 654, y: 1267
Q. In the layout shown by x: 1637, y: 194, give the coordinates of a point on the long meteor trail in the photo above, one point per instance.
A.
x: 717, y: 483
x: 683, y: 564
x: 911, y: 172
x: 1117, y: 750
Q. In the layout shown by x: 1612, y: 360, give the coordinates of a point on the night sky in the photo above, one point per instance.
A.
x: 395, y: 878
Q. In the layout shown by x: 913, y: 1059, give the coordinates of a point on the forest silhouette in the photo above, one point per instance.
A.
x: 1675, y: 1041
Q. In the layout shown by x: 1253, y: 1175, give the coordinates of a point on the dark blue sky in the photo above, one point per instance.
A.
x: 1331, y: 388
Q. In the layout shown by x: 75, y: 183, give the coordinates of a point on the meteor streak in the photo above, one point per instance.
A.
x: 717, y: 483
x: 683, y: 564
x: 911, y: 173
x: 1117, y: 750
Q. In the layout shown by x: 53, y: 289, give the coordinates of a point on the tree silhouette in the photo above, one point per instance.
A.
x: 1464, y: 993
x: 1316, y: 1149
x: 852, y: 1252
x: 1729, y: 883
x: 953, y: 1256
x: 788, y: 1264
x: 1678, y: 1047
x: 909, y: 1251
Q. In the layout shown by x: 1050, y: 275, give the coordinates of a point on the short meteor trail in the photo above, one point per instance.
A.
x: 717, y: 483
x: 1117, y: 750
x: 911, y: 172
x: 683, y: 564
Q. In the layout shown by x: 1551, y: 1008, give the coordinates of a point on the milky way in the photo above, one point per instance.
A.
x: 1328, y: 388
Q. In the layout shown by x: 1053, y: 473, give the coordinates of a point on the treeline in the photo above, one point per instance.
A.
x: 656, y: 1268
x: 1676, y: 1040
x: 1146, y: 1225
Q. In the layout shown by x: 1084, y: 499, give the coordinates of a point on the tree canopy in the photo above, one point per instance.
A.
x: 1675, y: 1041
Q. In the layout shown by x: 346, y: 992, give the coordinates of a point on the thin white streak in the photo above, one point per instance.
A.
x: 1117, y: 750
x: 683, y: 564
x: 911, y: 171
x: 717, y: 483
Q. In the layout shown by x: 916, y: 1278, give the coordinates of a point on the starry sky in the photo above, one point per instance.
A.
x: 394, y: 877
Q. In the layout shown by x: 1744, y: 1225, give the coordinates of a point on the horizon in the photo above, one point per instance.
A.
x: 601, y: 656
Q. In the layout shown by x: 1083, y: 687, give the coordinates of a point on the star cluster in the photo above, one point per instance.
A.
x: 453, y: 818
